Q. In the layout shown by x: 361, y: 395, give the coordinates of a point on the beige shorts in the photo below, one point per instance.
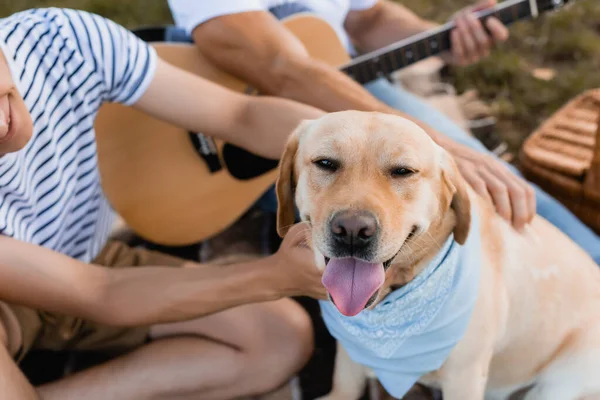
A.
x: 43, y: 330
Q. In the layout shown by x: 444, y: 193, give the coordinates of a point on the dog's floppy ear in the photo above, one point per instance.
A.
x: 459, y: 202
x: 285, y: 185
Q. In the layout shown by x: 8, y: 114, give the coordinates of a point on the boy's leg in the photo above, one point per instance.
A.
x: 548, y: 207
x: 242, y: 351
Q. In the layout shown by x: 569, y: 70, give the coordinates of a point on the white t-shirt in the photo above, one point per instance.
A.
x: 65, y: 64
x: 190, y: 13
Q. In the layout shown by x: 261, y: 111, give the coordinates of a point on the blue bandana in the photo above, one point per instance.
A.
x: 412, y: 332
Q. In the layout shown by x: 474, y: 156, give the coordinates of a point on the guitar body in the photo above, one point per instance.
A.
x: 152, y: 173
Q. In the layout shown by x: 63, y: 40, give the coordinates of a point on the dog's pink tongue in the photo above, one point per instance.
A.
x: 351, y: 283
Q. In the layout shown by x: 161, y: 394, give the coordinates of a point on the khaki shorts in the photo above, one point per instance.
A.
x: 43, y: 330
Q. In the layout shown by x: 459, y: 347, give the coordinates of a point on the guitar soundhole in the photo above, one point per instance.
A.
x: 244, y: 165
x: 205, y: 146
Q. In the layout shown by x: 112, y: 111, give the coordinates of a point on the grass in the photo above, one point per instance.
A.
x: 567, y: 41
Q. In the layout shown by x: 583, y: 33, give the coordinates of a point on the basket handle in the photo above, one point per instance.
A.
x: 591, y: 185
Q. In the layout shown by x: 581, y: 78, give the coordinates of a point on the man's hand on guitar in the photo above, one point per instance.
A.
x: 294, y: 265
x: 513, y: 197
x: 471, y: 40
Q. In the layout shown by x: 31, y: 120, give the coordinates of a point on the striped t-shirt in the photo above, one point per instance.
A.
x: 65, y: 64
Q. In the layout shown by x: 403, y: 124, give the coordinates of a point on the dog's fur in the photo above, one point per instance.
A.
x: 537, y: 317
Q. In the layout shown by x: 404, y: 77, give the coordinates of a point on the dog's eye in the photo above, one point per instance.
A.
x: 327, y: 165
x: 402, y: 172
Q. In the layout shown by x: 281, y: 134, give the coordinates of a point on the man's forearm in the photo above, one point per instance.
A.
x: 281, y: 66
x: 313, y: 82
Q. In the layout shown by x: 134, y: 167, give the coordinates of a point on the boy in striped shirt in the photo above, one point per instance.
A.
x: 203, y: 332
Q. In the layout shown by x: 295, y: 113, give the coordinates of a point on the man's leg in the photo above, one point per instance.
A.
x: 242, y: 351
x: 548, y: 207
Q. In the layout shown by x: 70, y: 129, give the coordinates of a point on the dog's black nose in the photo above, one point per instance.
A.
x: 354, y: 228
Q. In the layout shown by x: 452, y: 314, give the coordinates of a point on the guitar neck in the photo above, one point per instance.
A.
x: 383, y: 62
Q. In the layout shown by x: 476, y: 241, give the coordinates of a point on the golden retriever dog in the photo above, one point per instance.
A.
x: 381, y: 200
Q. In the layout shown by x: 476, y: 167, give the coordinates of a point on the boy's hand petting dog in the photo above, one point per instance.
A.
x: 294, y: 265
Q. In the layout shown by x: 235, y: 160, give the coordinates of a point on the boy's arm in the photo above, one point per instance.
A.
x: 43, y: 279
x: 258, y: 124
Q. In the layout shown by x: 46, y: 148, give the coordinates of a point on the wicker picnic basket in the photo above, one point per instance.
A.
x: 563, y: 157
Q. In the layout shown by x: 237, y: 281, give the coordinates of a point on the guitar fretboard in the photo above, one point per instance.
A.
x: 383, y: 62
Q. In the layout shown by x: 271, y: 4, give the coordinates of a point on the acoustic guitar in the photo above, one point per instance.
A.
x: 174, y: 187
